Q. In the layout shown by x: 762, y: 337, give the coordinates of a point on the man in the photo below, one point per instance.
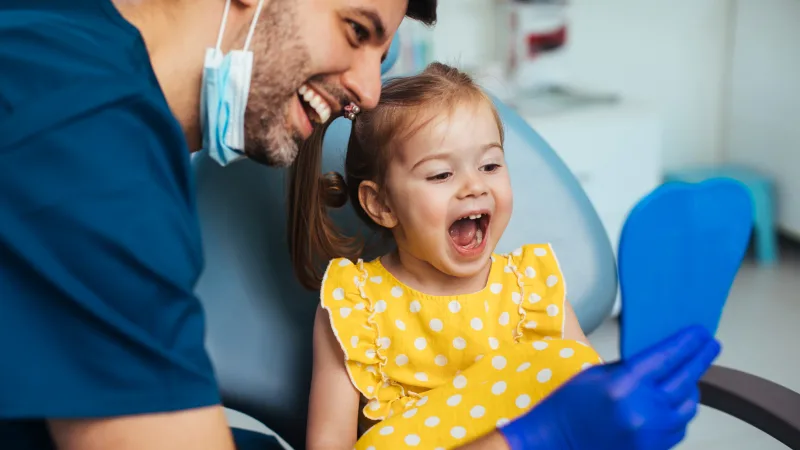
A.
x: 101, y: 102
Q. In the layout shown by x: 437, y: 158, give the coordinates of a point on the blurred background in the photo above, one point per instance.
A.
x: 631, y: 93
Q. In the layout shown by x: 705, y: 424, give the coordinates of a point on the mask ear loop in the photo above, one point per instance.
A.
x: 222, y: 25
x: 253, y: 25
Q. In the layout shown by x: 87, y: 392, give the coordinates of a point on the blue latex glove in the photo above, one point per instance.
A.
x: 642, y: 403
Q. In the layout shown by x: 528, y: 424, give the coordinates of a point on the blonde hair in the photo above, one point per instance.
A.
x: 313, y: 237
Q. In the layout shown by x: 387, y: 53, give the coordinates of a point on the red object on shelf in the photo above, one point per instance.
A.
x: 545, y: 42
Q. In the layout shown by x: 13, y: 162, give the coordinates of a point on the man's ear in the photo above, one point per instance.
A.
x: 373, y: 204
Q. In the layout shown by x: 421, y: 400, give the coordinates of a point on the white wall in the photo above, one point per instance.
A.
x: 763, y: 128
x: 670, y: 54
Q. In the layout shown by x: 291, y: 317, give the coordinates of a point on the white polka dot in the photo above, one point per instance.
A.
x: 586, y: 366
x: 454, y: 306
x: 460, y: 382
x: 459, y: 343
x: 431, y: 421
x: 498, y: 362
x: 400, y: 324
x: 338, y: 294
x: 370, y: 389
x: 412, y: 440
x: 539, y: 345
x: 344, y: 263
x: 566, y: 352
x: 523, y: 367
x: 477, y: 412
x: 530, y: 324
x: 415, y: 307
x: 454, y: 400
x: 401, y: 360
x: 551, y: 280
x: 517, y: 252
x: 374, y: 405
x: 354, y: 341
x: 345, y: 312
x: 370, y: 353
x: 436, y: 325
x: 534, y: 298
x: 478, y: 358
x: 544, y: 375
x: 359, y: 306
x: 410, y: 413
x: 420, y: 343
x: 422, y: 401
x: 494, y: 343
x: 371, y: 447
x: 502, y: 422
x: 421, y: 376
x: 499, y: 387
x: 476, y: 324
x: 356, y: 281
x: 458, y: 432
x: 507, y: 269
x: 385, y: 431
x: 504, y: 318
x: 529, y: 272
x: 516, y: 297
x: 384, y: 342
x: 552, y: 310
x: 372, y: 369
x: 397, y: 292
x: 548, y: 338
x: 440, y: 360
x: 523, y: 401
x: 486, y: 305
x: 539, y: 252
x: 380, y: 306
x: 496, y: 288
x: 376, y: 280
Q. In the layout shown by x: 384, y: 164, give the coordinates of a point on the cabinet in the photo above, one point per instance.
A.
x: 613, y: 149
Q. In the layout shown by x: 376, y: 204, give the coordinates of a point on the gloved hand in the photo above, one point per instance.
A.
x: 641, y: 404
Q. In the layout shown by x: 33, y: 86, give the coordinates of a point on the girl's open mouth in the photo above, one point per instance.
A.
x: 468, y: 233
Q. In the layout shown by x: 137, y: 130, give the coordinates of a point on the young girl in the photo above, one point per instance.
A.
x: 440, y: 340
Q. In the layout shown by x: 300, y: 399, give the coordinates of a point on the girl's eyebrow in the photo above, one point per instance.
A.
x: 446, y: 155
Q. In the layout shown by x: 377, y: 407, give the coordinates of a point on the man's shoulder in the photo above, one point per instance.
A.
x: 62, y: 61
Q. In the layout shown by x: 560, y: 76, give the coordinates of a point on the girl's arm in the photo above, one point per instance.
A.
x: 333, y: 406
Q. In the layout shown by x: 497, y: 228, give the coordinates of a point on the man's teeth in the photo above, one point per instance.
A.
x: 320, y: 106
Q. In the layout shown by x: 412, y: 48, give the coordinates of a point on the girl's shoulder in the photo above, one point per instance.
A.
x: 530, y: 256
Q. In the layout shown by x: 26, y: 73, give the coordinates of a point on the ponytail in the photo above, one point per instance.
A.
x: 314, y: 238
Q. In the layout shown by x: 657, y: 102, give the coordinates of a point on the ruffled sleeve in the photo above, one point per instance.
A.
x: 352, y: 315
x: 543, y: 292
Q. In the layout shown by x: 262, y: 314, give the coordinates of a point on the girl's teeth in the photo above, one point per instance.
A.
x: 479, y: 236
x: 475, y: 216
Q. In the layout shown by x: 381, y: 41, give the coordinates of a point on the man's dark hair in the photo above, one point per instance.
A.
x: 422, y: 10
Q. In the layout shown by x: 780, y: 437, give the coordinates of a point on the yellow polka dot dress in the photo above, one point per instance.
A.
x: 440, y: 371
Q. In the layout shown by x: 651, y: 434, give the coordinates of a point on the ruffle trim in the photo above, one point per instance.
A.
x: 364, y: 358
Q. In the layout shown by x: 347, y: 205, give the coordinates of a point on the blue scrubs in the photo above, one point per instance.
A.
x: 99, y: 236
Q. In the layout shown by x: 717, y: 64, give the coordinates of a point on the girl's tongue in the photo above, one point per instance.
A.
x: 466, y: 233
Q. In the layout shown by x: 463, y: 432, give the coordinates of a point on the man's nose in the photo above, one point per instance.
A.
x: 364, y: 80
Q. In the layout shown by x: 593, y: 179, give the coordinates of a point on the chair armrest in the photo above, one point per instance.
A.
x: 761, y: 403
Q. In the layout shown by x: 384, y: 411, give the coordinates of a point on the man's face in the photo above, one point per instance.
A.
x: 312, y: 58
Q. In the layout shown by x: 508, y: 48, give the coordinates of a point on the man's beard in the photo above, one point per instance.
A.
x: 280, y: 66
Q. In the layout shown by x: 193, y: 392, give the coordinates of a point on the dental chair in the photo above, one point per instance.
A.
x: 260, y: 320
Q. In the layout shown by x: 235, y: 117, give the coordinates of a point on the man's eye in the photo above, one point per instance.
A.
x: 360, y: 33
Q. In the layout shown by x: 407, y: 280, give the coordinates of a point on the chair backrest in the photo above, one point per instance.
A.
x: 259, y: 319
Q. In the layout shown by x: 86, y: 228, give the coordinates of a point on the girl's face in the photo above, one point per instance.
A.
x: 448, y: 191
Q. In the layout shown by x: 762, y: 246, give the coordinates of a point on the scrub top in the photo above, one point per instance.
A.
x: 99, y: 235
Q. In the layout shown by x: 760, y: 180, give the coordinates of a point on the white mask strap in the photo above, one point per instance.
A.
x: 222, y: 26
x: 253, y: 25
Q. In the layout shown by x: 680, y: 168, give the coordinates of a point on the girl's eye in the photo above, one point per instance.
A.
x: 360, y: 33
x: 440, y: 177
x: 491, y: 167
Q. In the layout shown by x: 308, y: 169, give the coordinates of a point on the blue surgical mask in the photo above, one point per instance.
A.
x: 223, y: 96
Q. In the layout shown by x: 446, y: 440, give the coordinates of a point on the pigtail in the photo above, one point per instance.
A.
x: 314, y: 238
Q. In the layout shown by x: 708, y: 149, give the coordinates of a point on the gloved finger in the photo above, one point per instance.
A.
x: 673, y: 418
x: 664, y: 358
x: 672, y: 439
x: 681, y: 382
